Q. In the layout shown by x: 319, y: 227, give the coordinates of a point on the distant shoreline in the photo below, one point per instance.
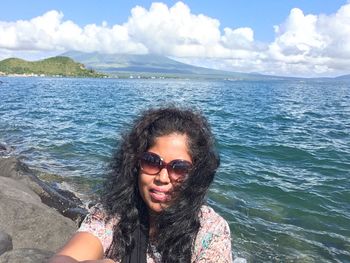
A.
x: 30, y: 75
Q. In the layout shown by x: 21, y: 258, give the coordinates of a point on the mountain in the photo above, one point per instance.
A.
x: 343, y: 77
x: 55, y: 66
x: 151, y: 65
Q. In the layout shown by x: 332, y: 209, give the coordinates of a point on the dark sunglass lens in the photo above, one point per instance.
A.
x: 180, y: 168
x: 150, y: 163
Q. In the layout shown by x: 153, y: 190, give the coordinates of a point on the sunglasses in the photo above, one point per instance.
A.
x: 152, y: 164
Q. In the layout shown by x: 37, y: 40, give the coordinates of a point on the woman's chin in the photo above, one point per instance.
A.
x: 157, y: 207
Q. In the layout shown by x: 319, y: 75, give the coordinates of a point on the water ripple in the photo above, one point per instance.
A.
x: 284, y: 181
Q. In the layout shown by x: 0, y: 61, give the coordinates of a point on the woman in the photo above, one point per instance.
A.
x: 153, y: 207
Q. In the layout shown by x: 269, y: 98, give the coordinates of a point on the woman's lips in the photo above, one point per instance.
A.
x: 159, y: 195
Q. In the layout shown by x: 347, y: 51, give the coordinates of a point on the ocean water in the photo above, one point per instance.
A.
x: 284, y: 180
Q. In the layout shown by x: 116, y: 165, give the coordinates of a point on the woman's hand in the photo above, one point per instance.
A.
x: 82, y: 247
x: 67, y: 259
x: 107, y: 260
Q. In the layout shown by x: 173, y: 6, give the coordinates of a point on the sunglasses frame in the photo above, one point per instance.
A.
x: 162, y: 164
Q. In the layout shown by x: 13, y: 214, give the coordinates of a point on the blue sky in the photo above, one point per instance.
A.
x: 261, y: 15
x: 234, y: 35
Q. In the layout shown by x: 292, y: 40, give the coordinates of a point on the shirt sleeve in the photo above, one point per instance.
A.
x: 215, y: 244
x: 95, y: 223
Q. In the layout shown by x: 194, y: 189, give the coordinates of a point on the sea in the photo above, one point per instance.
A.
x: 284, y: 180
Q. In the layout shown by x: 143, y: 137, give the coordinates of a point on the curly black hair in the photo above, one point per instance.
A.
x: 179, y: 223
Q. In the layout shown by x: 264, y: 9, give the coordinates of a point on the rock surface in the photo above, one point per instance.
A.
x: 36, y: 229
x: 26, y: 255
x: 5, y: 242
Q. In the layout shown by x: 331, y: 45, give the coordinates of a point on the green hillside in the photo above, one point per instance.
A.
x: 55, y: 66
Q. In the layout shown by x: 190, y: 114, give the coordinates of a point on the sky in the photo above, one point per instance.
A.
x: 306, y: 38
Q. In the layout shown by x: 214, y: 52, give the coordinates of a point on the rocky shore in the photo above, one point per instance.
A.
x: 35, y: 218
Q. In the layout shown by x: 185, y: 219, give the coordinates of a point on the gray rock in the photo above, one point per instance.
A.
x: 37, y: 230
x: 64, y: 201
x: 5, y: 242
x: 30, y: 222
x: 26, y: 255
x: 11, y: 167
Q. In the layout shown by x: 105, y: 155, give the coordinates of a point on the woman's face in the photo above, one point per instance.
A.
x: 157, y: 191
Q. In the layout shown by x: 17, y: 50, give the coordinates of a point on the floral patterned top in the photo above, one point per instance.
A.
x: 213, y: 242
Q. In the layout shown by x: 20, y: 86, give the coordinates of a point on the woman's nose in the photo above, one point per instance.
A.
x: 163, y: 176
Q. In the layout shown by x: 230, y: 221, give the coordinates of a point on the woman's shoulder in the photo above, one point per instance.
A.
x: 100, y: 224
x: 213, y: 239
x: 208, y: 217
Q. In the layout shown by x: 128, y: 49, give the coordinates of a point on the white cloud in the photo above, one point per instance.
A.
x: 304, y: 44
x: 49, y: 32
x: 173, y: 31
x: 312, y: 44
x: 241, y: 38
